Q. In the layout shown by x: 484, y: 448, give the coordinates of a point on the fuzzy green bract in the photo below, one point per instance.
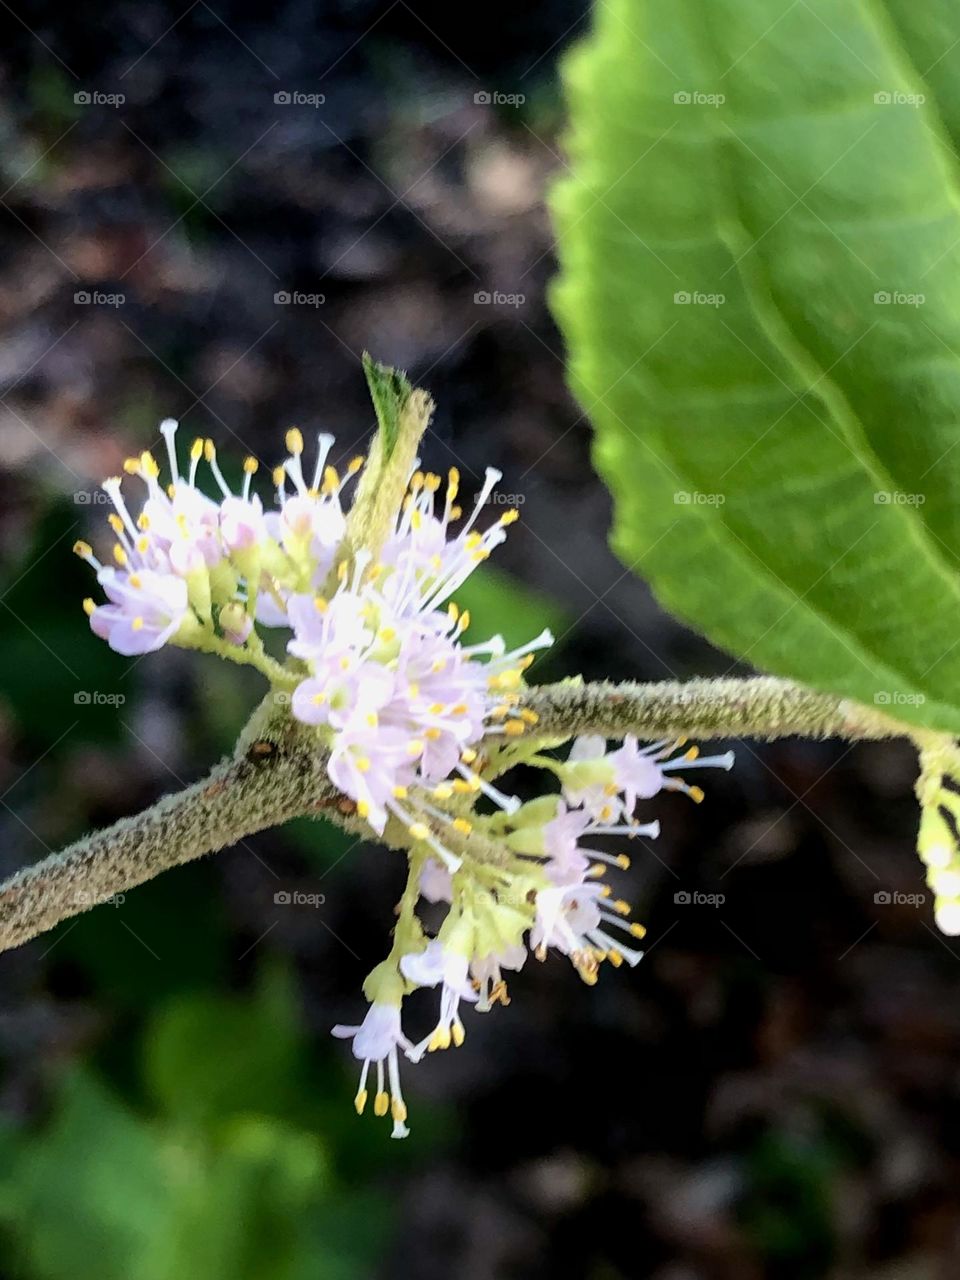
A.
x: 759, y: 237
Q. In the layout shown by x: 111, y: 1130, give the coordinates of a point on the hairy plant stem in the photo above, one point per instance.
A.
x: 278, y: 772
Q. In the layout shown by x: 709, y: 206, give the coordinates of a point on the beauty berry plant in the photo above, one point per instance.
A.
x: 759, y: 233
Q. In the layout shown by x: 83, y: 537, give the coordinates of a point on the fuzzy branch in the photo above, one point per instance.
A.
x: 763, y: 707
x: 278, y: 773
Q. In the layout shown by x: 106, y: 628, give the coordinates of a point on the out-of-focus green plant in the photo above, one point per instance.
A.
x: 225, y: 1176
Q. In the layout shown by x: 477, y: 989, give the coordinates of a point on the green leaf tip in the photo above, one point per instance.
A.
x: 390, y: 391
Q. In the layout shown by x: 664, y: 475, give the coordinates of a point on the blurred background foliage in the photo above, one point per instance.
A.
x: 773, y: 1093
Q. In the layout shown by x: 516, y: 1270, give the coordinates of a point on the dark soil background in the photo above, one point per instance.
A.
x: 775, y: 1091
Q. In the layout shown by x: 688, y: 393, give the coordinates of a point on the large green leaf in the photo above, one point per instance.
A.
x: 784, y: 461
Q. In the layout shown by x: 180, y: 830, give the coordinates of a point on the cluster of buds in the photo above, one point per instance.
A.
x: 417, y: 726
x: 938, y: 841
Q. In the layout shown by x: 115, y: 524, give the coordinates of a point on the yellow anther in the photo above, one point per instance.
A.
x: 419, y: 830
x: 143, y: 522
x: 514, y: 728
x: 209, y: 450
x: 148, y: 465
x: 416, y: 481
x: 691, y: 753
x: 638, y: 930
x: 196, y: 449
x: 468, y: 755
x: 462, y: 787
x: 530, y: 717
x: 623, y: 862
x: 432, y: 734
x: 696, y: 795
x: 400, y: 793
x: 621, y: 907
x: 398, y: 1110
x: 131, y: 466
x: 278, y: 476
x: 373, y: 719
x: 344, y: 663
x: 115, y: 523
x: 615, y: 958
x: 500, y: 711
x: 456, y: 513
x: 381, y: 1104
x: 597, y: 870
x: 318, y: 699
x: 137, y: 624
x: 462, y: 825
x: 88, y: 606
x: 387, y: 634
x: 606, y: 813
x: 443, y: 792
x: 414, y: 746
x: 119, y: 555
x: 458, y: 1034
x: 453, y: 483
x: 143, y: 545
x: 342, y: 571
x: 472, y: 541
x: 416, y: 520
x: 413, y: 689
x: 363, y: 808
x: 295, y: 441
x: 436, y: 708
x: 526, y: 662
x: 135, y: 581
x: 464, y: 620
x: 460, y: 709
x: 362, y: 763
x: 360, y: 1101
x: 82, y: 549
x: 438, y: 664
x: 510, y: 517
x: 453, y: 613
x: 320, y: 604
x: 354, y: 465
x: 251, y: 466
x: 331, y: 481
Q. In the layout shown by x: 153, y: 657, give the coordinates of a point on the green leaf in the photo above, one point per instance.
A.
x: 779, y: 440
x: 390, y: 390
x: 209, y: 1057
